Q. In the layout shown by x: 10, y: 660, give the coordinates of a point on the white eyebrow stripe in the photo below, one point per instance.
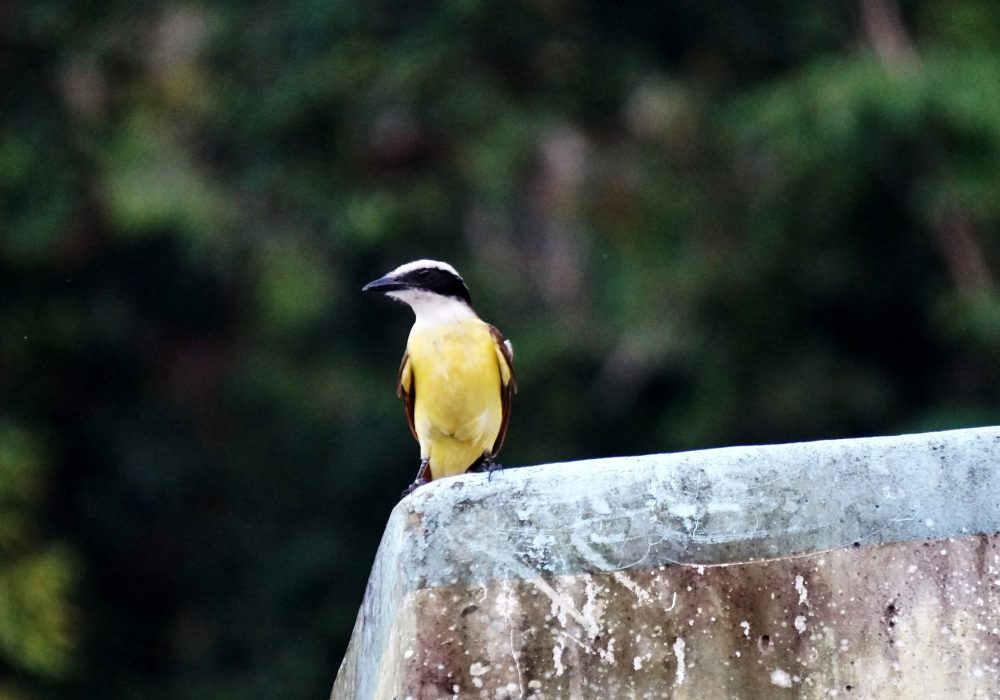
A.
x: 420, y: 264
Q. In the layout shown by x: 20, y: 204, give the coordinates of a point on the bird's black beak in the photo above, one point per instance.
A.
x: 385, y: 284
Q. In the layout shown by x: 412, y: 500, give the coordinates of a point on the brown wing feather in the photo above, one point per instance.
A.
x: 507, y: 390
x: 406, y: 390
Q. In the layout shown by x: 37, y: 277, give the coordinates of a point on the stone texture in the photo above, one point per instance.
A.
x: 905, y: 620
x: 806, y: 570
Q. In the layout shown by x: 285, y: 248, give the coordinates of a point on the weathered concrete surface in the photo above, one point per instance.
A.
x: 905, y: 620
x: 596, y: 579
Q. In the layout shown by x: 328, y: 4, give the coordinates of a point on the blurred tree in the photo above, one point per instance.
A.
x: 700, y: 223
x: 37, y: 622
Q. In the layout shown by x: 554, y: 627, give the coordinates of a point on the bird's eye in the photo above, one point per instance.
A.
x: 422, y: 274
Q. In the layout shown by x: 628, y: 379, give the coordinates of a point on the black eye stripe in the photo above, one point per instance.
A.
x: 439, y: 281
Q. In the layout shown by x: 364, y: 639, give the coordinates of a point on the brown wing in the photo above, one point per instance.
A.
x: 405, y: 390
x: 508, y: 385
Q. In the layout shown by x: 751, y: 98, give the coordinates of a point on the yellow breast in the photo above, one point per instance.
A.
x: 456, y: 384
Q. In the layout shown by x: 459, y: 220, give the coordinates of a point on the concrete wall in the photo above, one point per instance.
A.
x: 854, y: 568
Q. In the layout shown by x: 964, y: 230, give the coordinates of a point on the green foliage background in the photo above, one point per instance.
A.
x: 701, y: 223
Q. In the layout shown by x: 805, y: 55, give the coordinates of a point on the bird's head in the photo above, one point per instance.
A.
x: 430, y: 287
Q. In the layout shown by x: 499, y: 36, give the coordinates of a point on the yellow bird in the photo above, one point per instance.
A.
x: 457, y: 374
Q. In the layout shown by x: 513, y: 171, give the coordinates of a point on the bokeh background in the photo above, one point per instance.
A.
x: 701, y: 223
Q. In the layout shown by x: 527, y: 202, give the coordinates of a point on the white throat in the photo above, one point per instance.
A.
x: 433, y: 309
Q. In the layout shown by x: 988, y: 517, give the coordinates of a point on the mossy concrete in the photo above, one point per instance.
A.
x: 858, y: 568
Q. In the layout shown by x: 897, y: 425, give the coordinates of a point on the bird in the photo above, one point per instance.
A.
x: 456, y: 378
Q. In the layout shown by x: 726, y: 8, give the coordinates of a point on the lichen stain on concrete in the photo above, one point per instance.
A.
x: 859, y: 622
x: 800, y: 588
x: 678, y: 648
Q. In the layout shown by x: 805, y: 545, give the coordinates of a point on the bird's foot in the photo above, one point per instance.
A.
x: 417, y: 483
x: 486, y: 464
x: 423, y: 476
x: 491, y: 466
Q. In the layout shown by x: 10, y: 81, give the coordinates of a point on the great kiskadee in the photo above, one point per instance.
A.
x: 457, y: 374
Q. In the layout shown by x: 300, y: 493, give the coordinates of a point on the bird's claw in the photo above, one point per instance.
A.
x: 486, y: 464
x: 423, y: 476
x: 417, y: 483
x: 494, y: 467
